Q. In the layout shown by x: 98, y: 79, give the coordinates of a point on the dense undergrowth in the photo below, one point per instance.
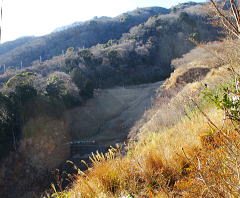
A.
x: 26, y: 96
x: 196, y: 154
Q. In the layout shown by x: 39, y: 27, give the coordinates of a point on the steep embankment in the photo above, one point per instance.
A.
x: 186, y: 149
x: 109, y: 115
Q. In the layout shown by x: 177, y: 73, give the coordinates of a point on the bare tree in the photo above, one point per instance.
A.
x: 231, y: 22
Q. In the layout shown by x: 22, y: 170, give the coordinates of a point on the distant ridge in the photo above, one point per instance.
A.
x: 77, y: 35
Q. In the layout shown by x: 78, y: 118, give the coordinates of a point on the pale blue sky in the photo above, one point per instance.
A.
x: 39, y: 17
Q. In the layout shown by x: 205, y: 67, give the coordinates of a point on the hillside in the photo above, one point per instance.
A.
x: 86, y: 34
x: 10, y: 45
x: 108, y: 92
x: 141, y: 55
x: 187, y: 142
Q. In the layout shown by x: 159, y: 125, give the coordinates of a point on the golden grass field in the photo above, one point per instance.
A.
x: 186, y: 147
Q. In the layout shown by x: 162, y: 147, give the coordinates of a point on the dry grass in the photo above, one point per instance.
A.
x: 152, y: 167
x: 182, y: 151
x: 174, y: 99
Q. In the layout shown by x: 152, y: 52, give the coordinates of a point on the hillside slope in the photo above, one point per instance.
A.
x: 186, y: 147
x: 77, y: 92
x: 144, y: 54
x: 87, y: 34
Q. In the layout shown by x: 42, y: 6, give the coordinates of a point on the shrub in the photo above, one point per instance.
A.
x: 9, y: 124
x: 87, y: 58
x: 25, y: 93
x: 113, y: 57
x: 21, y: 79
x: 54, y: 87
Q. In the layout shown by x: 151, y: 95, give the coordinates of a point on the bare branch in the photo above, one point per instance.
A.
x: 229, y: 25
x: 236, y: 14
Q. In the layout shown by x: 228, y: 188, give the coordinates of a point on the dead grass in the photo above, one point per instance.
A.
x: 153, y: 166
x: 182, y: 151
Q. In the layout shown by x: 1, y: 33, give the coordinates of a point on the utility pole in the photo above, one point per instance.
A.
x: 21, y: 65
x: 40, y: 59
x: 84, y: 44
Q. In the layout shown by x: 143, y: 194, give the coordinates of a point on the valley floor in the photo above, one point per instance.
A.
x: 110, y: 114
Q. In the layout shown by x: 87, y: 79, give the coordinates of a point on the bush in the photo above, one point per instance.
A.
x: 9, y: 124
x: 54, y: 87
x: 25, y: 93
x: 113, y: 57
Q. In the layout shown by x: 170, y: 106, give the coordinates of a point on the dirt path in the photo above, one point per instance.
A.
x: 109, y: 115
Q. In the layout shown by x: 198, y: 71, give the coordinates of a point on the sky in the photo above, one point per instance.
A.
x: 40, y: 17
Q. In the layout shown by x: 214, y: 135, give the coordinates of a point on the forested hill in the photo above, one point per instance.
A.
x: 86, y: 34
x: 10, y: 45
x: 142, y: 54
